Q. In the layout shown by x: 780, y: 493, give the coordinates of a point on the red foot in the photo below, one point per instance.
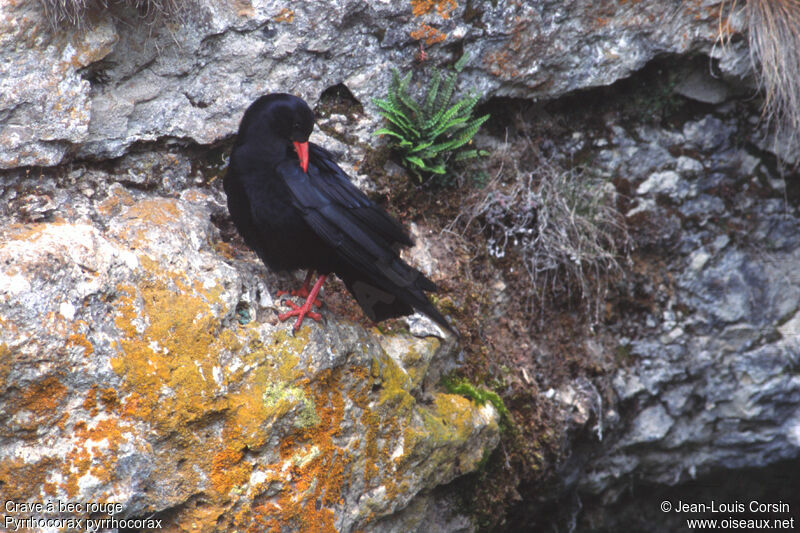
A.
x: 302, y: 311
x: 302, y: 292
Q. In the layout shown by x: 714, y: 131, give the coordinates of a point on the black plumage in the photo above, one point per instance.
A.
x: 296, y: 208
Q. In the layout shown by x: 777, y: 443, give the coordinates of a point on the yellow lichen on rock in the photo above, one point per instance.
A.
x: 170, y: 346
x: 443, y: 8
x: 235, y: 427
x: 5, y: 362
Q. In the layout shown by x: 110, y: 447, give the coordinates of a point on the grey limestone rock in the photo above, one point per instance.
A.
x: 142, y: 364
x: 116, y: 80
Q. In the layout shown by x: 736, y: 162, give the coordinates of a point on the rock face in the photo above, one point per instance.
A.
x: 713, y: 384
x: 120, y: 79
x: 140, y: 359
x: 709, y: 343
x: 141, y: 366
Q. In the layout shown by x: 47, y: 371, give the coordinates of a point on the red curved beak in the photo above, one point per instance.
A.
x: 302, y: 153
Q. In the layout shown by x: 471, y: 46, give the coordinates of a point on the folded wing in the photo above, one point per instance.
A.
x: 364, y: 239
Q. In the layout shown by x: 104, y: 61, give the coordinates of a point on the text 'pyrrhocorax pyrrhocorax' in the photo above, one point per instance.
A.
x: 296, y: 208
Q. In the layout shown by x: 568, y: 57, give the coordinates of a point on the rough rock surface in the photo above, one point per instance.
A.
x: 713, y: 382
x: 141, y: 363
x: 120, y: 79
x: 709, y: 342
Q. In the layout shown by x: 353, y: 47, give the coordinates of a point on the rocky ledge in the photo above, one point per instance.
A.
x: 141, y: 363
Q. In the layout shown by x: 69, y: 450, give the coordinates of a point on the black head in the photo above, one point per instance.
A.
x: 280, y: 115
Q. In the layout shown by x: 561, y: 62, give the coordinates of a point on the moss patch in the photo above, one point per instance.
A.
x: 479, y: 395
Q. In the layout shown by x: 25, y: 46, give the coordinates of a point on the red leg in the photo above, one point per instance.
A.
x: 301, y: 311
x: 302, y: 292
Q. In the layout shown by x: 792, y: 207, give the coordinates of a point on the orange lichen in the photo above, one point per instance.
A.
x: 228, y: 470
x: 117, y: 198
x: 601, y: 22
x: 171, y: 382
x: 155, y: 210
x: 174, y: 378
x: 176, y: 351
x: 501, y: 64
x: 90, y: 403
x: 443, y: 7
x: 43, y: 398
x: 22, y: 480
x: 284, y: 15
x: 371, y: 467
x: 224, y: 249
x: 317, y: 467
x: 94, y: 451
x: 78, y: 339
x: 429, y: 34
x: 426, y: 32
x: 109, y: 398
x: 49, y: 488
x: 396, y: 402
x: 76, y: 465
x: 133, y: 406
x: 5, y: 361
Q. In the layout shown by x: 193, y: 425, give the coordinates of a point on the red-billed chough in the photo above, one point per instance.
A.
x: 296, y: 209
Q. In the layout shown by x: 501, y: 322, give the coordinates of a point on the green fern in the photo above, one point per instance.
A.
x: 430, y: 134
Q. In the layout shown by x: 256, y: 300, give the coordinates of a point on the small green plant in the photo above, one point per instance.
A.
x: 479, y: 395
x: 428, y: 135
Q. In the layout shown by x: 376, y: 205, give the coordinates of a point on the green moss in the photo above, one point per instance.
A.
x: 487, y: 453
x: 624, y: 354
x: 480, y: 396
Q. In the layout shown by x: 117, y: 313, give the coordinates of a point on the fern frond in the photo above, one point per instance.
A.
x: 466, y: 154
x: 433, y: 90
x: 404, y: 97
x: 429, y: 133
x: 450, y: 119
x: 396, y: 117
x: 391, y: 95
x: 447, y: 91
x: 415, y: 160
x: 461, y: 63
x: 421, y: 147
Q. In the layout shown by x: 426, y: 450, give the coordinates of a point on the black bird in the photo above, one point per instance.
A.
x: 296, y: 208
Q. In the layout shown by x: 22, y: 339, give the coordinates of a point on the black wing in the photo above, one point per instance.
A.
x: 336, y: 185
x: 362, y: 236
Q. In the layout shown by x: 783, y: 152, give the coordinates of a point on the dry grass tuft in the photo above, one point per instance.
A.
x: 73, y: 12
x: 774, y: 41
x: 564, y: 225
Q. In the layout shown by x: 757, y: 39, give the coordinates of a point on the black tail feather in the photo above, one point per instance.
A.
x: 380, y: 303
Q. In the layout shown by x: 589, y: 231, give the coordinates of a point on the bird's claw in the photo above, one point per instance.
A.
x: 300, y: 311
